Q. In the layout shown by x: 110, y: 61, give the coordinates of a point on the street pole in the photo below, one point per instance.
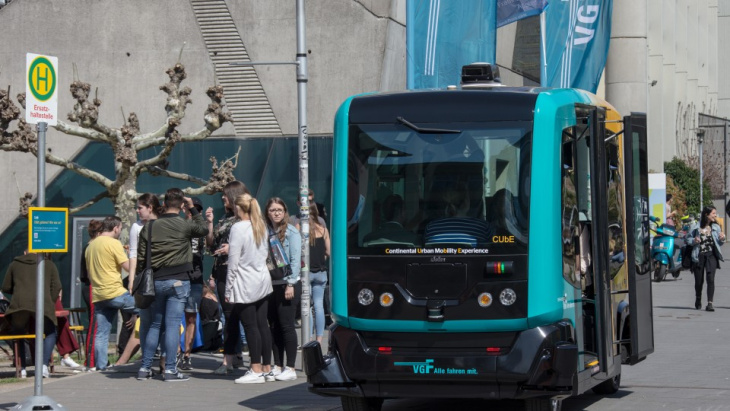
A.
x: 39, y: 401
x: 301, y: 63
x: 39, y: 289
x: 303, y: 168
x: 700, y: 138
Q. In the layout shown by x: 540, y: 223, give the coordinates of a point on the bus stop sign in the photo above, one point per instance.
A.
x: 47, y: 230
x: 40, y: 89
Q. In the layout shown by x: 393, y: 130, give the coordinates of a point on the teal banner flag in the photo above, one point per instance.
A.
x: 444, y: 35
x: 509, y: 11
x: 576, y: 40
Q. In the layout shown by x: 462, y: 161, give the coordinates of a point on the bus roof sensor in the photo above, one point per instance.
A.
x: 480, y: 73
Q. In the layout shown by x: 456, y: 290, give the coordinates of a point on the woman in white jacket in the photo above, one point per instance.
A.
x: 248, y: 286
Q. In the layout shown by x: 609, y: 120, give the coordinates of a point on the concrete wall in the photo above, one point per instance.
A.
x: 124, y: 48
x: 680, y: 76
x: 723, y: 57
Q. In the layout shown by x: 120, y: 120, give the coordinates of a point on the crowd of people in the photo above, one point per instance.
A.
x: 253, y: 290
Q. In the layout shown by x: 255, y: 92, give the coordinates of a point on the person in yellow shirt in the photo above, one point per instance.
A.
x: 105, y: 257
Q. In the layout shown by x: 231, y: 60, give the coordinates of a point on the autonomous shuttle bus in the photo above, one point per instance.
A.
x: 487, y: 242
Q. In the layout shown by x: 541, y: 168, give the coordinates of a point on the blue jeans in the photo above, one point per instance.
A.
x: 168, y: 308
x: 105, y: 314
x: 318, y: 281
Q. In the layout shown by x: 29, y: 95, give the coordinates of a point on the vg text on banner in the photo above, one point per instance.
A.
x: 576, y: 43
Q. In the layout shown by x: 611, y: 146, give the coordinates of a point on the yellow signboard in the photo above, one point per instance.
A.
x: 47, y: 230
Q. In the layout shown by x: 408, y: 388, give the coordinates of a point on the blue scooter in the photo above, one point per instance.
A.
x: 662, y: 250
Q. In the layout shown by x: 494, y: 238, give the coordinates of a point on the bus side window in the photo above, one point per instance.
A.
x: 570, y: 215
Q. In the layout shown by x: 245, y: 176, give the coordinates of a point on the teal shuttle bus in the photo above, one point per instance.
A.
x: 487, y: 242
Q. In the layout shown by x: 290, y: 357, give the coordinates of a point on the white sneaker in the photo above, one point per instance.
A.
x: 46, y: 374
x: 287, y: 375
x: 251, y: 378
x: 23, y: 373
x: 69, y: 362
x: 276, y: 370
x: 269, y: 376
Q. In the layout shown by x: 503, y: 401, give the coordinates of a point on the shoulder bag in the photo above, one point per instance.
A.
x: 277, y: 261
x: 143, y: 288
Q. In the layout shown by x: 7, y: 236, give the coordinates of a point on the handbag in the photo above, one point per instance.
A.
x: 277, y: 261
x: 143, y: 289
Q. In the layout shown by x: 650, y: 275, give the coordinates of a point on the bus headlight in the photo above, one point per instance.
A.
x: 365, y: 296
x: 485, y: 299
x: 386, y: 299
x: 507, y: 297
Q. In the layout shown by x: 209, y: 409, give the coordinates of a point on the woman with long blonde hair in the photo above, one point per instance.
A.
x: 248, y: 286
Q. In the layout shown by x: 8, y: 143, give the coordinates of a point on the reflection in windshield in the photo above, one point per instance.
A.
x: 467, y: 187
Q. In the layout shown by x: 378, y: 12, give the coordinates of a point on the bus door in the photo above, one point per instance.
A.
x: 641, y: 340
x: 592, y: 163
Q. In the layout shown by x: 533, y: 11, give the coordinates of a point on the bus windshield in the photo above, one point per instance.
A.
x: 464, y: 185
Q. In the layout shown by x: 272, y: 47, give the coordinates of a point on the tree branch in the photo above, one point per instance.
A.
x: 153, y: 140
x: 80, y: 170
x: 100, y: 196
x: 143, y: 141
x: 82, y: 132
x: 86, y: 111
x: 157, y: 171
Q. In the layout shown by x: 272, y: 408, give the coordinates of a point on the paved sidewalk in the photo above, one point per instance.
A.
x: 119, y: 390
x: 687, y: 371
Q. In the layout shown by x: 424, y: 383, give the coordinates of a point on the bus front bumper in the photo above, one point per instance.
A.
x: 541, y: 362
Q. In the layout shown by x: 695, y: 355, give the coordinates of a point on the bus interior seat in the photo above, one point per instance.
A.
x: 384, y: 242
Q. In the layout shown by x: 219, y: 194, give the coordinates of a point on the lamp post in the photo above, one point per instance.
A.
x: 700, y: 138
x: 303, y: 139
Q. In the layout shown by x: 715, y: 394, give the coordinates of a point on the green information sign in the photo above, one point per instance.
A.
x: 47, y: 230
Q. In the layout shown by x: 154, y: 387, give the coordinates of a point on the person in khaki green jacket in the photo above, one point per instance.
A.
x: 172, y: 262
x: 20, y: 281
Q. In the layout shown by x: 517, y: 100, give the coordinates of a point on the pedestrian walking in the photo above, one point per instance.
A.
x: 706, y: 255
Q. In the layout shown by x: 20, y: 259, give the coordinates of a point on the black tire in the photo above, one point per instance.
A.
x: 543, y: 404
x: 608, y: 387
x: 361, y: 404
x: 660, y: 273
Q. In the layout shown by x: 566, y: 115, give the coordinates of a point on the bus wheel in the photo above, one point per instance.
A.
x: 543, y: 404
x: 608, y: 387
x: 660, y: 273
x: 361, y: 404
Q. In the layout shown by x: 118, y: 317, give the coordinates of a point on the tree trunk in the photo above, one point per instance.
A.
x: 125, y: 204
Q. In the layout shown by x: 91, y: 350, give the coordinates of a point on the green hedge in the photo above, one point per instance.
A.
x: 688, y: 180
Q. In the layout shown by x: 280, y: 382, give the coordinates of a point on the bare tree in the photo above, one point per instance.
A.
x: 126, y: 142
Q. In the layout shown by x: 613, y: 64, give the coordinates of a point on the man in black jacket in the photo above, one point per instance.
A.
x: 172, y: 262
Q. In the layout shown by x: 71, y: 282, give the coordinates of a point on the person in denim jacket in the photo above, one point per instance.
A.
x: 706, y: 255
x: 287, y: 293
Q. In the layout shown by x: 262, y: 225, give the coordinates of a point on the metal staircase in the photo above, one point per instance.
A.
x: 244, y: 95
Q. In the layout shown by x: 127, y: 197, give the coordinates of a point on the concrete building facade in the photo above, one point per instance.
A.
x: 666, y: 59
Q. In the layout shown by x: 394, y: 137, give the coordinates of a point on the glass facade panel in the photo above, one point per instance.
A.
x: 268, y: 166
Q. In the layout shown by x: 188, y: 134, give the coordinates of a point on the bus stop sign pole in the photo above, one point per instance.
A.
x: 39, y: 401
